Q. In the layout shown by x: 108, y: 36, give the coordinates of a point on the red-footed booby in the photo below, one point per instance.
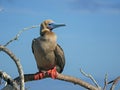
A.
x: 48, y: 54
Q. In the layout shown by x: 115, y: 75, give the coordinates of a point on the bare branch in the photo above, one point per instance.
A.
x: 77, y: 81
x: 105, y: 81
x: 9, y: 80
x: 30, y: 77
x: 17, y: 62
x: 114, y: 82
x: 7, y: 51
x: 19, y: 33
x: 90, y: 76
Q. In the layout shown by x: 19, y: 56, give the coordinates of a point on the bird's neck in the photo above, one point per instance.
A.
x: 49, y: 35
x: 43, y: 31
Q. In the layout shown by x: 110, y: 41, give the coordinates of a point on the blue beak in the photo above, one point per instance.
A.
x: 53, y: 25
x: 58, y: 25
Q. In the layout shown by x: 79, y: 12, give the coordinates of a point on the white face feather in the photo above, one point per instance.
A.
x: 51, y: 25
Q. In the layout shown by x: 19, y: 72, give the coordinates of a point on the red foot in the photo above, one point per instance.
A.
x: 39, y: 75
x: 52, y: 73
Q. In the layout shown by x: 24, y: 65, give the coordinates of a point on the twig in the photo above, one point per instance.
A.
x: 17, y: 62
x: 19, y: 33
x: 114, y: 82
x: 8, y: 79
x: 90, y: 76
x: 30, y: 77
x: 105, y: 81
x: 4, y: 49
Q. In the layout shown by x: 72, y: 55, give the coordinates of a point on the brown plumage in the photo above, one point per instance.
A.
x: 48, y: 54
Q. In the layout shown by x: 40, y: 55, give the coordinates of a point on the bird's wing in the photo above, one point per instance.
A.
x: 32, y: 45
x: 60, y: 58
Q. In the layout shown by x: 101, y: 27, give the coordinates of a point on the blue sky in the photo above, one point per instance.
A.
x: 91, y: 38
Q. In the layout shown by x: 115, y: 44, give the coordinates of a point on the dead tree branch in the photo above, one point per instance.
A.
x: 77, y: 81
x: 105, y: 82
x: 114, y: 82
x: 9, y: 80
x: 30, y: 77
x: 19, y: 33
x: 17, y: 62
x: 91, y: 77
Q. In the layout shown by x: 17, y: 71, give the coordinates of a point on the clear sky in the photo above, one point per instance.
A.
x: 91, y: 38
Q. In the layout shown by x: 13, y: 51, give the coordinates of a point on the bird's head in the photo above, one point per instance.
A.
x: 49, y: 25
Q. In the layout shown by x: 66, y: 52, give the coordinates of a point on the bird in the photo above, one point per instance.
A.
x: 49, y: 55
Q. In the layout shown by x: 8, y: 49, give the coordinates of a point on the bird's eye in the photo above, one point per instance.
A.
x: 50, y: 24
